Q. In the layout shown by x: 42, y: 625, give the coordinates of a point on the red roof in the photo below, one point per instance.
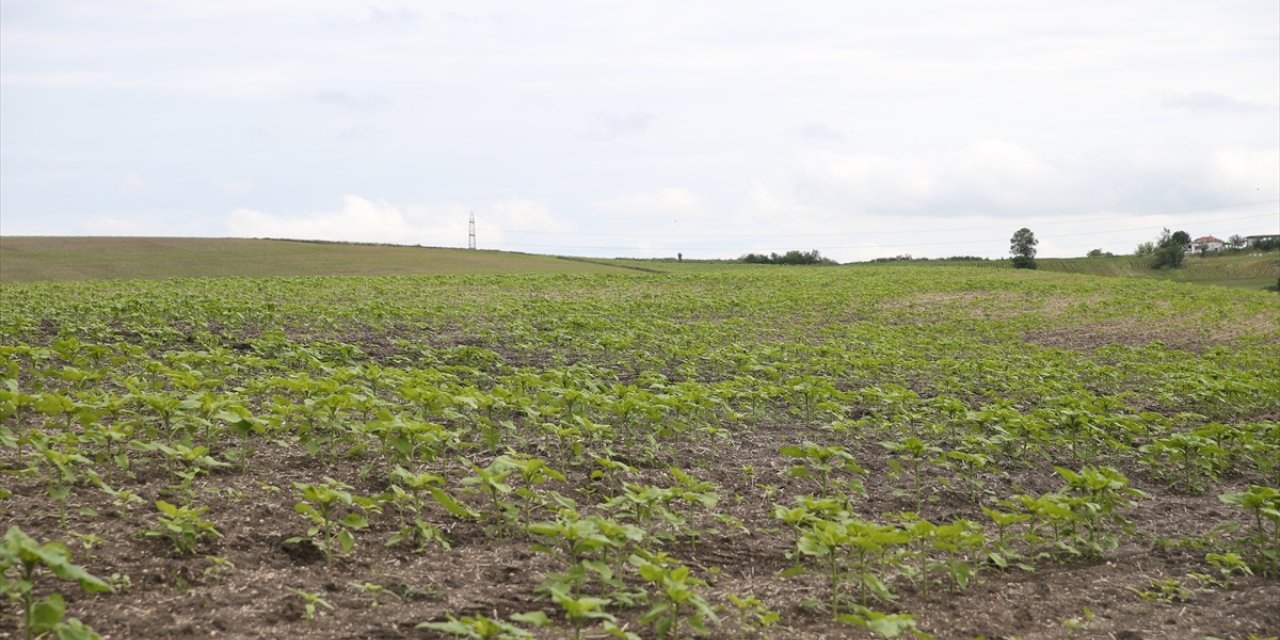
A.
x: 1206, y: 240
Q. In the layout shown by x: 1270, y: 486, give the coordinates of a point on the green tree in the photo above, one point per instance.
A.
x: 1023, y: 248
x: 1171, y: 248
x: 1236, y: 241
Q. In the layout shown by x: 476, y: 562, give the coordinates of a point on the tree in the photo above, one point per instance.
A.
x: 1099, y: 253
x: 1023, y: 248
x: 1236, y: 241
x: 791, y: 257
x: 1170, y: 249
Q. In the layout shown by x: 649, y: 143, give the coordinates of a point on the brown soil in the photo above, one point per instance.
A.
x: 1186, y: 334
x: 172, y: 596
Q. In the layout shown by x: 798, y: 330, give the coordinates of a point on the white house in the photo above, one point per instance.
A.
x: 1206, y: 243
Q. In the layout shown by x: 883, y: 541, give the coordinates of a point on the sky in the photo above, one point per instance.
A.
x: 644, y: 129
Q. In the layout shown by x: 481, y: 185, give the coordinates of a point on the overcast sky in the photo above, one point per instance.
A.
x: 862, y: 129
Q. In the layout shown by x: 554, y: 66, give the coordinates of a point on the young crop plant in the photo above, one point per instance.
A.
x: 20, y: 558
x: 811, y: 509
x: 491, y: 481
x: 311, y: 603
x: 1094, y: 496
x: 113, y: 439
x: 1263, y: 503
x: 884, y: 625
x: 182, y: 527
x: 407, y: 496
x: 1167, y: 590
x: 647, y: 507
x: 832, y: 468
x: 533, y: 473
x: 374, y: 591
x: 219, y: 567
x: 407, y: 440
x: 165, y: 409
x: 1186, y: 460
x: 479, y: 627
x: 676, y: 602
x: 1229, y: 566
x: 64, y: 469
x: 87, y: 542
x: 948, y: 549
x: 324, y: 506
x: 1081, y: 432
x: 583, y: 545
x: 909, y: 455
x: 581, y: 610
x: 694, y: 493
x: 754, y: 618
x: 1001, y: 552
x: 851, y: 550
x: 609, y: 473
x: 184, y: 463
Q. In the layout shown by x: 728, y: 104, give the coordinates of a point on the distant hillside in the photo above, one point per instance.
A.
x: 1251, y: 271
x: 1232, y: 270
x: 25, y: 259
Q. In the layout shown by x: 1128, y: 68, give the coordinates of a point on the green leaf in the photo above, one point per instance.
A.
x: 457, y: 509
x: 793, y: 571
x: 601, y: 568
x: 73, y: 629
x: 354, y: 521
x: 535, y: 618
x: 812, y: 547
x: 46, y: 614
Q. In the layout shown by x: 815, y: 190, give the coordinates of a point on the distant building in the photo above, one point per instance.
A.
x: 1206, y: 243
x: 1253, y: 241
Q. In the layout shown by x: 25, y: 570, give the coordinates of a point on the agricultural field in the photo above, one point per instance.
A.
x: 32, y: 258
x: 870, y: 452
x: 1246, y: 269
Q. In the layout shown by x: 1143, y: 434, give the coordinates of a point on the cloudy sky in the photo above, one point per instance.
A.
x: 644, y: 128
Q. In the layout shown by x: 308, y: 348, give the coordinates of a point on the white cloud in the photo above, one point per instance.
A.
x: 1255, y: 172
x: 615, y: 125
x: 237, y: 187
x: 819, y: 131
x: 134, y: 182
x: 1208, y: 101
x: 364, y: 220
x: 1002, y: 179
x: 990, y: 176
x: 359, y: 220
x: 352, y: 102
x: 668, y: 202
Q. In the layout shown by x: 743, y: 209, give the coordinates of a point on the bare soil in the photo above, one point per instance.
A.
x: 173, y: 596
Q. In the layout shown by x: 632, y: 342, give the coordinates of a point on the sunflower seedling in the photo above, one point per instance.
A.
x: 677, y: 601
x: 46, y: 616
x: 182, y: 527
x: 321, y: 504
x: 310, y: 602
x: 1264, y: 504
